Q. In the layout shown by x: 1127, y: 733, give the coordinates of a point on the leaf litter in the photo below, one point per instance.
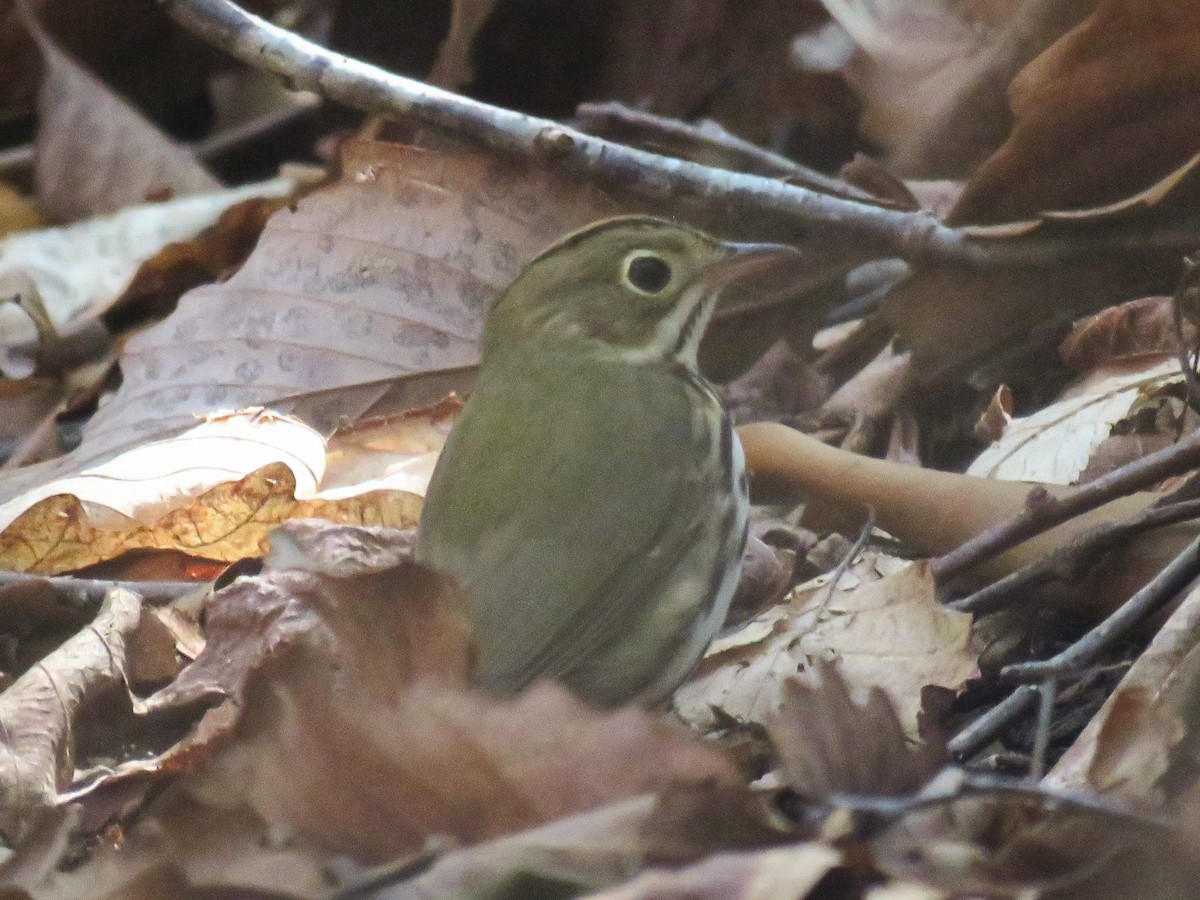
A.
x: 282, y: 364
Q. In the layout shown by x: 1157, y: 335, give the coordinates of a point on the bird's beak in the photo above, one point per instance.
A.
x: 747, y: 258
x: 768, y: 270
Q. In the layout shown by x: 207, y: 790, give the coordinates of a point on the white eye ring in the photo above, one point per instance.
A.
x: 646, y: 273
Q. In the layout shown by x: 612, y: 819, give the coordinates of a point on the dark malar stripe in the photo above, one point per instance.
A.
x: 727, y: 450
x: 689, y: 325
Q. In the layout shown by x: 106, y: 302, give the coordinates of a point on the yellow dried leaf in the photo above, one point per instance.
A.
x: 889, y: 632
x: 227, y: 523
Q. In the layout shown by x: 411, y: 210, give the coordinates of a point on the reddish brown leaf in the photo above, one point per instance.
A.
x: 1106, y: 111
x: 1127, y: 330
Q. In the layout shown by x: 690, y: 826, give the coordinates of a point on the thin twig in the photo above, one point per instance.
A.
x: 1043, y: 512
x: 636, y: 126
x: 1188, y: 290
x: 860, y: 544
x: 1158, y: 592
x: 860, y: 230
x: 1071, y: 560
x: 89, y: 593
x: 1047, y: 694
x: 992, y: 722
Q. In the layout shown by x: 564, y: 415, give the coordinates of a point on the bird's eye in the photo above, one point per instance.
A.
x: 647, y: 273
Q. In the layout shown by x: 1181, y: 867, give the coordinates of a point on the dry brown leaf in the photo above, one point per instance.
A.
x: 381, y: 700
x: 829, y: 745
x: 17, y: 213
x: 601, y: 847
x: 211, y: 255
x: 38, y: 710
x: 950, y: 319
x: 95, y: 153
x: 388, y: 271
x: 1059, y: 442
x: 1138, y: 328
x: 107, y: 253
x: 1140, y: 746
x: 789, y: 873
x: 1105, y: 111
x: 933, y: 76
x: 182, y: 848
x: 730, y: 60
x: 1014, y: 841
x: 780, y: 385
x: 890, y: 632
x: 995, y: 417
x: 1134, y: 748
x: 337, y: 571
x: 438, y: 761
x: 873, y: 392
x: 395, y: 452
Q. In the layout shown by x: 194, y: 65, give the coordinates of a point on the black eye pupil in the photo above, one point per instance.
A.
x: 649, y: 273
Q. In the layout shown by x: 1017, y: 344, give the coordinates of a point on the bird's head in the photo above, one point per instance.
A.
x: 636, y: 287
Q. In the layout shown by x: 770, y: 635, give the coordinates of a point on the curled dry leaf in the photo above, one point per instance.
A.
x: 1100, y: 115
x: 932, y: 76
x: 217, y: 490
x: 254, y: 617
x: 95, y: 153
x: 1056, y: 444
x: 1139, y: 746
x: 38, y: 710
x: 338, y: 551
x: 1138, y: 328
x: 951, y: 318
x: 106, y: 254
x: 830, y: 745
x: 790, y: 872
x: 1011, y: 840
x: 889, y: 632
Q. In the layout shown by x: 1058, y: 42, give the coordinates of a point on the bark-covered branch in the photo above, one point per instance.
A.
x: 869, y: 230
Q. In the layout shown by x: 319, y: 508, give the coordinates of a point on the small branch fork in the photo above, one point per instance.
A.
x: 1043, y: 512
x: 1159, y: 591
x: 858, y: 228
x: 1073, y: 661
x: 1073, y: 559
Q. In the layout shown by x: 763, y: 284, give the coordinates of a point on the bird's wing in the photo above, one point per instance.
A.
x: 563, y: 509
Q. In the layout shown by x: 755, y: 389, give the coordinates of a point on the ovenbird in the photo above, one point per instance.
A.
x: 591, y: 499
